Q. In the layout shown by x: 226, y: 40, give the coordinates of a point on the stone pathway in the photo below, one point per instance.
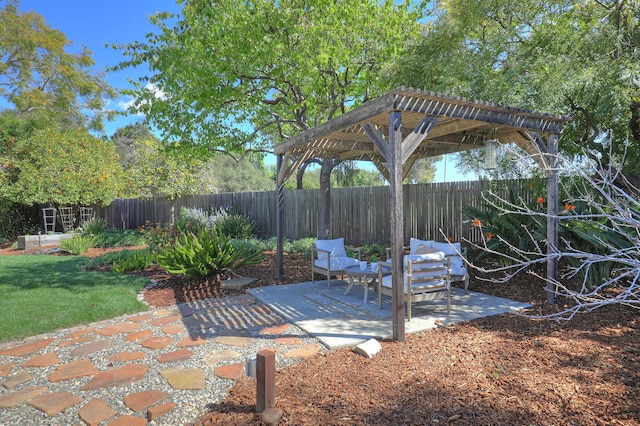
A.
x: 160, y: 367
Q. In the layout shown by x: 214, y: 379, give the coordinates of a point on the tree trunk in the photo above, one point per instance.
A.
x: 324, y: 219
x: 300, y: 174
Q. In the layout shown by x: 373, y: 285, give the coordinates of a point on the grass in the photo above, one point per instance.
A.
x: 42, y: 293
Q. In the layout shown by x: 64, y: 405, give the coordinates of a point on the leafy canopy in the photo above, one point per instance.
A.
x: 69, y: 167
x: 40, y: 78
x: 250, y: 75
x: 576, y: 58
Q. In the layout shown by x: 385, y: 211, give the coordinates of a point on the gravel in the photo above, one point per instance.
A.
x: 190, y: 404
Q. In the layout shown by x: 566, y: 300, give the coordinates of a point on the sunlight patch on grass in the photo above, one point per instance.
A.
x: 41, y: 293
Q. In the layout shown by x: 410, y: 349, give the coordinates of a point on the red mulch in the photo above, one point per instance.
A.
x: 504, y: 369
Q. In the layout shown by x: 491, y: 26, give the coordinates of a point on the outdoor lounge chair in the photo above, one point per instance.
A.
x: 453, y: 251
x: 329, y: 257
x: 424, y: 275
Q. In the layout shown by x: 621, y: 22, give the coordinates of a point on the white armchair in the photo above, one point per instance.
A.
x: 424, y: 275
x: 453, y: 251
x: 329, y: 258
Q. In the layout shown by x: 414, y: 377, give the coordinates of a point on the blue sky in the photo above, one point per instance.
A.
x: 94, y: 23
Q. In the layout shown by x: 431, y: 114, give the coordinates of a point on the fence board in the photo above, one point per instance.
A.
x: 358, y: 214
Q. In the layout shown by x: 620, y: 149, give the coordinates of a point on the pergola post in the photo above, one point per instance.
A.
x: 551, y: 162
x: 279, y: 220
x: 397, y: 224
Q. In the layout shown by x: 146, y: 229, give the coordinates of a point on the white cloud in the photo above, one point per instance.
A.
x: 125, y: 103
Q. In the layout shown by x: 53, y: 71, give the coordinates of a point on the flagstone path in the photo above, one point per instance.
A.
x: 162, y: 366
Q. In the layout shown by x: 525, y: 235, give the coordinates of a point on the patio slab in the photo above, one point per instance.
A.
x: 339, y: 320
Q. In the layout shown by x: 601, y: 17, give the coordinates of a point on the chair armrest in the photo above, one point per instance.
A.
x: 315, y: 251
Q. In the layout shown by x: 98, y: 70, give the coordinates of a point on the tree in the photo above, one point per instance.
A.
x: 580, y: 59
x: 423, y: 170
x: 252, y: 75
x: 56, y: 167
x: 242, y: 174
x: 125, y: 139
x: 348, y: 175
x: 161, y: 172
x: 40, y: 79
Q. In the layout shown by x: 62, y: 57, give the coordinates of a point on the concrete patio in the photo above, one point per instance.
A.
x: 340, y: 320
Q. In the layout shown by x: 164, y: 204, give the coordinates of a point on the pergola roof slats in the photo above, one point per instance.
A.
x: 462, y: 125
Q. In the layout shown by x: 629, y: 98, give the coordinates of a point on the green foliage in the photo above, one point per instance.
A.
x: 153, y: 169
x: 248, y: 246
x: 272, y: 245
x: 105, y: 237
x: 237, y: 226
x: 41, y: 79
x: 94, y: 227
x: 583, y: 228
x: 208, y: 252
x: 158, y: 236
x: 246, y: 173
x: 377, y: 249
x: 302, y: 246
x: 15, y: 220
x: 60, y: 168
x: 119, y: 238
x: 580, y: 60
x: 132, y: 260
x: 78, y: 244
x: 423, y: 170
x: 320, y: 61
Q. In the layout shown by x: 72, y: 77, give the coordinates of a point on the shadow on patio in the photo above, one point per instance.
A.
x: 340, y: 320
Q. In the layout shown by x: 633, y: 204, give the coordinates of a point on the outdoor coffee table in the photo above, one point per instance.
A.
x: 363, y: 277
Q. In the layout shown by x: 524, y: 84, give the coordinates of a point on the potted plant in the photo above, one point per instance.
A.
x: 373, y: 259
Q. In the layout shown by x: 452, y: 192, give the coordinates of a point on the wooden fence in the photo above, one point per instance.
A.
x: 360, y: 214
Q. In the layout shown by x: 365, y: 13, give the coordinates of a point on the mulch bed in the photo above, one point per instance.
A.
x: 505, y: 369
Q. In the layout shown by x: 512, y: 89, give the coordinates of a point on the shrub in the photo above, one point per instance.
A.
x: 203, y: 254
x: 379, y: 250
x: 158, y: 236
x: 78, y: 244
x: 250, y: 245
x: 272, y: 245
x: 15, y: 220
x: 119, y: 238
x: 132, y: 260
x: 303, y: 246
x: 94, y: 227
x: 237, y: 226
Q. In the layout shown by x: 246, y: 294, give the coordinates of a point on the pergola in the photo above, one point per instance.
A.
x: 396, y: 129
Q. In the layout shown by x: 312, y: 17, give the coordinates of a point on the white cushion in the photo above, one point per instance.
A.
x: 450, y: 249
x: 387, y: 282
x: 336, y: 263
x: 414, y: 243
x: 458, y: 270
x: 436, y: 255
x: 336, y: 247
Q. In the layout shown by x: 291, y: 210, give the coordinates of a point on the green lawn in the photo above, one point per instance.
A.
x: 41, y: 293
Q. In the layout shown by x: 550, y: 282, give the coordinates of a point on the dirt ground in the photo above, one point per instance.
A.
x: 505, y: 369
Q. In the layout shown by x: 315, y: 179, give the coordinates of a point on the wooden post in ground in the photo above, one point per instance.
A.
x: 552, y: 218
x: 265, y: 380
x: 397, y: 224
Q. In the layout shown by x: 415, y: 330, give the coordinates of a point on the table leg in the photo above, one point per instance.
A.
x: 351, y: 284
x: 367, y: 283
